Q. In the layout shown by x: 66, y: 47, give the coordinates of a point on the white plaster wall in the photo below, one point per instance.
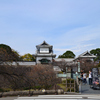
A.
x: 21, y: 63
x: 44, y: 50
x: 24, y: 63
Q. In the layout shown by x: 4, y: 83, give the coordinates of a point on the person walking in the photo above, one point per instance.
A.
x: 90, y: 78
x: 84, y: 78
x: 82, y: 75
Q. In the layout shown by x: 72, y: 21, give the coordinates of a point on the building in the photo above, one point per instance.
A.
x: 76, y: 63
x: 44, y: 53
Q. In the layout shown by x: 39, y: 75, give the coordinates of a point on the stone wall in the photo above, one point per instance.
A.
x: 27, y: 93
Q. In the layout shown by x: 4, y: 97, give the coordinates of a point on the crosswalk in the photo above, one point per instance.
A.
x: 61, y: 97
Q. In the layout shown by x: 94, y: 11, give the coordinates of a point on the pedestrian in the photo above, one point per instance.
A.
x: 84, y: 78
x: 90, y: 78
x: 82, y: 75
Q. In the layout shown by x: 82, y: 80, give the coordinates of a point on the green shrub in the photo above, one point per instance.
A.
x: 68, y: 80
x: 68, y: 89
x: 68, y: 85
x: 26, y: 88
x: 72, y: 89
x: 64, y: 81
x: 72, y: 80
x: 60, y: 72
x: 4, y: 90
x: 1, y: 90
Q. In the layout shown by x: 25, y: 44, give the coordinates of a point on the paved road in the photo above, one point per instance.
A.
x: 87, y: 90
x: 55, y: 97
x: 61, y: 97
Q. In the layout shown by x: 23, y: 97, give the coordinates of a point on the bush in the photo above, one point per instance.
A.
x: 64, y: 81
x: 4, y: 90
x: 26, y: 88
x: 1, y: 90
x: 61, y: 72
x: 72, y: 89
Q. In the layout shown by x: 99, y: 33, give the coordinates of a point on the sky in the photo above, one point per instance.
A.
x: 66, y: 24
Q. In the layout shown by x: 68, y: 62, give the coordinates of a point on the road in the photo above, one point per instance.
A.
x: 56, y: 97
x: 87, y: 90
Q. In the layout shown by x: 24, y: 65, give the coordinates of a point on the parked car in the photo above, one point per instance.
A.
x: 95, y: 78
x: 96, y: 83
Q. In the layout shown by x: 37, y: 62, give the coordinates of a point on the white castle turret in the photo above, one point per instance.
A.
x: 44, y: 53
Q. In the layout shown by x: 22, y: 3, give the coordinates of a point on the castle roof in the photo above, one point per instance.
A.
x: 44, y: 44
x: 86, y: 55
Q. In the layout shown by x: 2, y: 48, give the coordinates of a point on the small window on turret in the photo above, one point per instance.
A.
x: 44, y: 50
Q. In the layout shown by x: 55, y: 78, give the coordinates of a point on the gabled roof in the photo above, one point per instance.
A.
x: 44, y: 44
x: 86, y: 54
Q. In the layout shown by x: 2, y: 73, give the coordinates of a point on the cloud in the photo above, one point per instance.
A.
x: 78, y: 49
x: 78, y: 40
x: 65, y: 24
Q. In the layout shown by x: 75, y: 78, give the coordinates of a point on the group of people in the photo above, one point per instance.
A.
x: 84, y: 77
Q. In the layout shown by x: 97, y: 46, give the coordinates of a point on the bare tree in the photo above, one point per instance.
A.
x: 86, y: 64
x: 63, y: 64
x: 43, y: 76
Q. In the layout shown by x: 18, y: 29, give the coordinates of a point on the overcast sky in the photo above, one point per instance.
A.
x: 66, y: 24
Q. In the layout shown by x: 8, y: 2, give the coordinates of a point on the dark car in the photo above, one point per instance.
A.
x: 96, y: 79
x: 96, y: 83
